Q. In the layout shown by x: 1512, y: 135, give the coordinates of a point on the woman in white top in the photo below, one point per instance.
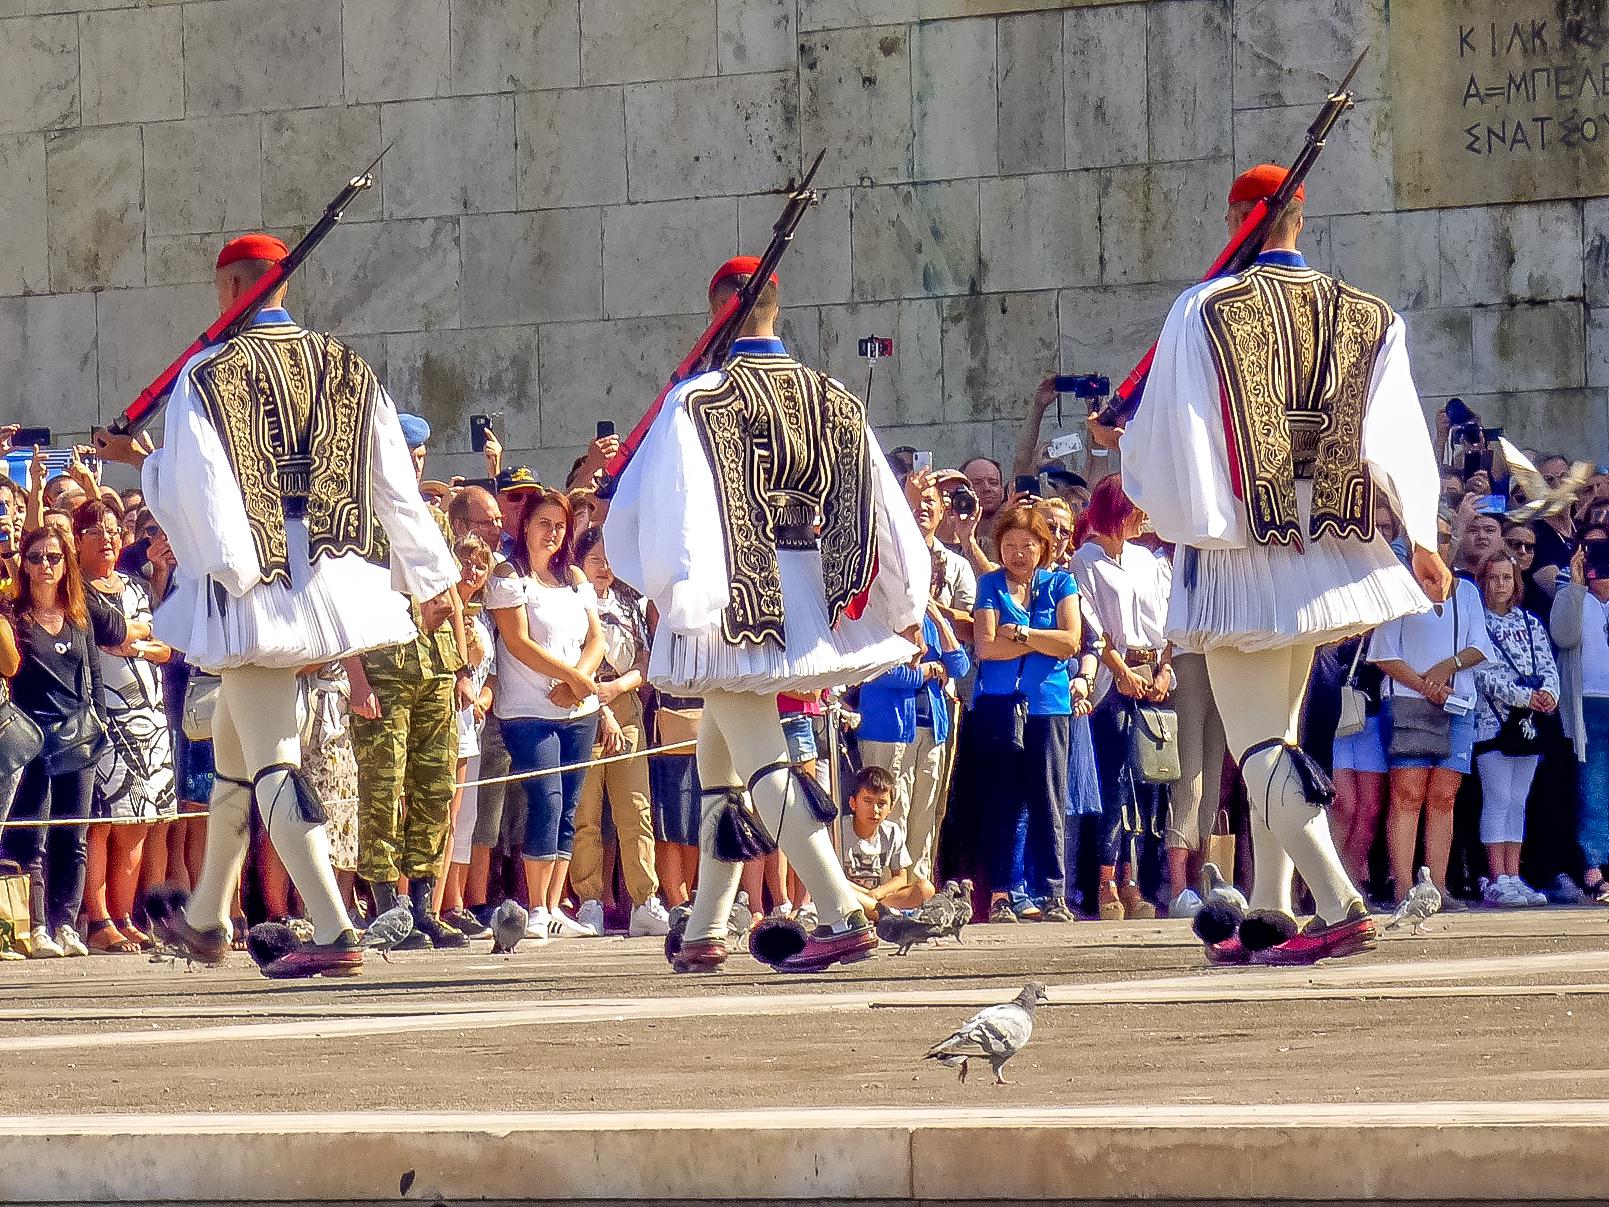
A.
x: 549, y: 646
x: 1431, y: 657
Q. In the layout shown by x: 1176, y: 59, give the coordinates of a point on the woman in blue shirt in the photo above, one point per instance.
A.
x: 1026, y: 627
x: 904, y: 725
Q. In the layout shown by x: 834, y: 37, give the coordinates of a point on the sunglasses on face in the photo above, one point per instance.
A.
x: 44, y: 559
x: 1522, y: 546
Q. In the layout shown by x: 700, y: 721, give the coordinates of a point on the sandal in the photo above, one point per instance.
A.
x: 238, y: 929
x: 114, y: 944
x: 133, y: 933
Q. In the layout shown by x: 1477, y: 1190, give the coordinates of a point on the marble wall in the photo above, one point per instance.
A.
x: 1011, y: 188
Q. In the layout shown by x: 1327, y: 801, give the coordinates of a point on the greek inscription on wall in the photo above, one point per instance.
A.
x: 1499, y: 100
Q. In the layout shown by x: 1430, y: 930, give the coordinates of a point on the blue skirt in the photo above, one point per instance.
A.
x: 1083, y: 788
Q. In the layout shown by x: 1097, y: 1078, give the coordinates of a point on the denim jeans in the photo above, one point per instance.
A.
x: 1592, y: 822
x: 535, y: 744
x: 1033, y: 800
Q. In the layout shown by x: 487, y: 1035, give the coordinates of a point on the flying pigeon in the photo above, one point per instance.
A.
x: 905, y: 931
x: 508, y: 927
x: 1220, y: 891
x: 389, y: 929
x: 995, y: 1034
x: 1541, y: 499
x: 740, y: 920
x: 1421, y: 902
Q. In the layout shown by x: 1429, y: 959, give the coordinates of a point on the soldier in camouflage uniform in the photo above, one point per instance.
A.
x: 409, y: 751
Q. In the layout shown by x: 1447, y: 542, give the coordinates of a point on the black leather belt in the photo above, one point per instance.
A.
x: 797, y: 536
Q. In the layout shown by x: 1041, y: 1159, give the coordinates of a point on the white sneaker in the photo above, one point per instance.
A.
x: 1186, y: 905
x: 562, y: 926
x: 591, y: 915
x: 649, y: 918
x: 67, y: 939
x: 537, y: 927
x: 1536, y: 896
x: 41, y: 946
x: 1494, y: 894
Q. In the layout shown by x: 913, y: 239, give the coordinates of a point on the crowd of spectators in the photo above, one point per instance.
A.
x: 1019, y: 749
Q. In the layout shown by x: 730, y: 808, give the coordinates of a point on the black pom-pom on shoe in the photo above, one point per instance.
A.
x: 1216, y: 921
x: 1265, y: 928
x: 776, y: 940
x: 268, y: 941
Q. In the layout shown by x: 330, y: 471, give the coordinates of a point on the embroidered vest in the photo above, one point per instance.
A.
x: 294, y: 411
x: 1295, y: 352
x: 787, y: 448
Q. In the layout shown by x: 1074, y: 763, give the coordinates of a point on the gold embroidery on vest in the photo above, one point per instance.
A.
x: 293, y: 410
x: 1295, y: 351
x: 785, y: 444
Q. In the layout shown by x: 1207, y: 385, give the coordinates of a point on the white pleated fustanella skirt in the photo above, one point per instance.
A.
x: 814, y: 656
x: 1264, y: 597
x: 333, y: 608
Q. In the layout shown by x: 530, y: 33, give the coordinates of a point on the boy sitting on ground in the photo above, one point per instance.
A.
x: 875, y: 859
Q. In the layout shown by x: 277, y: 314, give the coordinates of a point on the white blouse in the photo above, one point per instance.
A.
x: 1430, y: 637
x: 1129, y: 594
x: 557, y: 619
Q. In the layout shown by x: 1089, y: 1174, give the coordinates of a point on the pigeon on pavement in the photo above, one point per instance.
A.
x: 740, y: 920
x: 905, y: 931
x: 1422, y: 901
x: 950, y: 909
x: 389, y: 929
x: 995, y: 1034
x: 1220, y: 891
x: 508, y: 927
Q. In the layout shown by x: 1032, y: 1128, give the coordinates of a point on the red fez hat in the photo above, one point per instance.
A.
x: 252, y: 247
x: 738, y: 266
x: 1260, y: 183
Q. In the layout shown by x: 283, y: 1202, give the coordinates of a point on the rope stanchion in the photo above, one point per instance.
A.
x: 50, y: 823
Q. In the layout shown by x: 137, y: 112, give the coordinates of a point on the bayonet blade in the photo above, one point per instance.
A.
x: 1340, y: 89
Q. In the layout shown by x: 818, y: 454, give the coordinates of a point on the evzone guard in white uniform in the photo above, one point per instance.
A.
x: 1279, y: 410
x: 288, y: 493
x: 761, y: 519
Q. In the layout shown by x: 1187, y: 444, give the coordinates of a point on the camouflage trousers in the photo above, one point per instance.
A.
x: 412, y: 752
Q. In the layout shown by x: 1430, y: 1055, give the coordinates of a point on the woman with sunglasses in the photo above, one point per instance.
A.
x: 134, y: 777
x: 59, y: 686
x: 1521, y: 541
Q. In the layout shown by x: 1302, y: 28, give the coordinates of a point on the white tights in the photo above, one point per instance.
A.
x: 1505, y: 784
x: 256, y: 726
x: 741, y: 733
x: 1260, y: 697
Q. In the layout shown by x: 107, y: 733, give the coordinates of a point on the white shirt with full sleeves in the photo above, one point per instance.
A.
x: 1228, y: 590
x: 221, y: 613
x: 664, y: 537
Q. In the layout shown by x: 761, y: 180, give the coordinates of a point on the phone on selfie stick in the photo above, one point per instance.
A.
x: 872, y: 349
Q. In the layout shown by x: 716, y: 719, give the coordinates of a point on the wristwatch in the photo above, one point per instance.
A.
x: 1020, y: 635
x: 1458, y: 663
x: 1081, y: 677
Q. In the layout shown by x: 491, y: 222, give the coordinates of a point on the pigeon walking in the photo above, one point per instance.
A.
x: 950, y: 908
x: 1422, y: 901
x: 1220, y: 891
x: 905, y: 931
x: 389, y: 929
x: 508, y: 927
x: 740, y: 920
x: 995, y: 1034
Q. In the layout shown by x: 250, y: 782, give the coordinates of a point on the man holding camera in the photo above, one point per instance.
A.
x: 1279, y: 403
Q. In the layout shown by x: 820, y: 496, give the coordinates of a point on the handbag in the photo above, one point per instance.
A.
x: 200, y: 704
x: 1354, y: 700
x: 1221, y: 846
x: 1002, y: 720
x: 75, y: 741
x: 673, y: 726
x: 21, y: 739
x: 1154, y: 744
x: 1421, y: 729
x: 1519, y: 735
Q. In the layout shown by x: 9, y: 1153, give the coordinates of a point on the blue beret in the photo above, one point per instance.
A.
x: 414, y: 429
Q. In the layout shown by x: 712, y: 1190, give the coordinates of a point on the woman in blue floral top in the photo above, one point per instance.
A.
x: 1516, y: 686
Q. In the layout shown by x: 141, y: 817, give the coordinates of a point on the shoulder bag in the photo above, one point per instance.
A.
x: 1519, y: 735
x: 1154, y: 743
x: 20, y: 738
x: 74, y: 742
x: 1354, y: 700
x: 1421, y: 729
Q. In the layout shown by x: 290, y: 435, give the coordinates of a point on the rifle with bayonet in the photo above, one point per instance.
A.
x: 711, y: 349
x: 1247, y: 243
x: 239, y: 316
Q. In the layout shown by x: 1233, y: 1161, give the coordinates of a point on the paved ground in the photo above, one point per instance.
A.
x: 1487, y: 1007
